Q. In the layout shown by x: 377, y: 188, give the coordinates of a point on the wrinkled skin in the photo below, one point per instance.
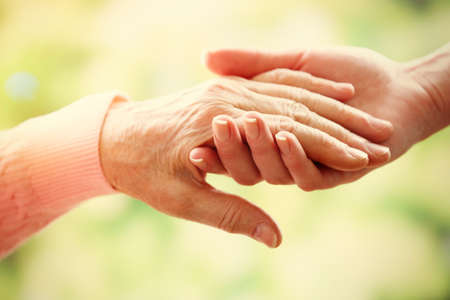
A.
x: 145, y: 147
x: 412, y: 96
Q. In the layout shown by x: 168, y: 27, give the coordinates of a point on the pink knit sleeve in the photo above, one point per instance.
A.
x: 48, y: 165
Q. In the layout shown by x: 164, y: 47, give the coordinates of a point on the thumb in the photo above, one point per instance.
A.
x: 205, y: 204
x: 248, y: 63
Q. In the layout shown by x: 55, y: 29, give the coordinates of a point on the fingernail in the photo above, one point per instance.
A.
x: 222, y: 129
x: 252, y: 128
x: 197, y: 161
x: 358, y: 154
x: 379, y: 151
x: 283, y: 143
x: 265, y: 234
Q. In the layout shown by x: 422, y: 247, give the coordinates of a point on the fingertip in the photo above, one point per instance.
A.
x: 251, y: 119
x: 346, y: 91
x: 247, y: 62
x: 382, y: 130
x: 197, y: 158
x: 252, y: 115
x: 283, y: 143
x: 378, y: 154
x: 207, y: 160
x: 292, y: 140
x: 221, y: 129
x: 195, y: 155
x: 221, y: 118
x: 359, y: 159
x: 268, y: 235
x: 212, y: 60
x: 222, y: 61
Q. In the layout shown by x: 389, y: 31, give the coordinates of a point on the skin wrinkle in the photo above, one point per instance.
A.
x: 144, y: 152
x: 192, y: 128
x: 302, y: 96
x: 167, y: 130
x: 436, y: 96
x: 428, y: 72
x: 227, y: 218
x: 16, y: 193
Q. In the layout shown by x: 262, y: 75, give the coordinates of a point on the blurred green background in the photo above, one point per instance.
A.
x: 385, y: 237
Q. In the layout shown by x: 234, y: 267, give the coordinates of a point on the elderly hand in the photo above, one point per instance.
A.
x: 412, y: 96
x: 145, y: 146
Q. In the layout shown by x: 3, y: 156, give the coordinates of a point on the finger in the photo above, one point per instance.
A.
x: 207, y: 160
x: 306, y: 174
x: 264, y: 151
x: 336, y: 90
x: 281, y: 106
x: 318, y: 145
x: 249, y: 63
x: 355, y: 120
x: 234, y: 155
x: 231, y: 213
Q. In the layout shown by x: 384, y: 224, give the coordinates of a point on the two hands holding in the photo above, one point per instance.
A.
x: 317, y: 118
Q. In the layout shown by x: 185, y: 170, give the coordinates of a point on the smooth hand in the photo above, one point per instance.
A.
x: 411, y: 96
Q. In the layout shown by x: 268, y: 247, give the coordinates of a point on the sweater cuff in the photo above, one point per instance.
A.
x: 64, y: 161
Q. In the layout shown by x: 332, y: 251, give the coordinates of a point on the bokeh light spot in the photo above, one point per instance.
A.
x: 21, y: 86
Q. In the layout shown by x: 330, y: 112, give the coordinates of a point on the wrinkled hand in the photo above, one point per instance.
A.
x: 383, y: 88
x: 145, y: 147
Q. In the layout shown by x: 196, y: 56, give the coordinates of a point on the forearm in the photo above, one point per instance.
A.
x: 433, y: 74
x: 48, y: 165
x: 16, y: 194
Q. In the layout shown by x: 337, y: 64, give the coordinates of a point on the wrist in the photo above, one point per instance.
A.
x: 112, y: 137
x: 432, y: 74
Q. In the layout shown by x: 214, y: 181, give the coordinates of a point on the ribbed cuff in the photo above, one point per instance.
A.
x: 64, y: 161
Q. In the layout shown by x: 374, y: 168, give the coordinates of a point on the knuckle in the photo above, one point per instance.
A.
x: 307, y: 79
x: 307, y: 187
x: 272, y: 180
x: 278, y: 180
x: 216, y: 85
x: 228, y: 90
x: 349, y: 115
x: 342, y: 111
x: 321, y: 137
x: 309, y: 99
x: 277, y: 75
x: 365, y: 121
x: 301, y: 113
x: 284, y: 123
x: 231, y: 217
x: 206, y: 111
x: 235, y: 78
x: 301, y: 93
x: 248, y: 181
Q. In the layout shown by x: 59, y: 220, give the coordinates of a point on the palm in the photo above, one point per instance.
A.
x: 383, y: 89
